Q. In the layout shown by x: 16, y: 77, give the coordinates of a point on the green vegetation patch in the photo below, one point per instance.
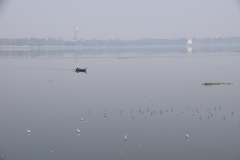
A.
x: 215, y: 83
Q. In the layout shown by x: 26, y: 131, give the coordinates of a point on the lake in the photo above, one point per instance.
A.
x: 154, y: 97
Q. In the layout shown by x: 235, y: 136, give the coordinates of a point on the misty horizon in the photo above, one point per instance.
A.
x: 125, y: 20
x: 117, y: 38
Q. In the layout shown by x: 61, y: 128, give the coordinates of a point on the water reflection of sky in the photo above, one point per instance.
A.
x: 46, y: 96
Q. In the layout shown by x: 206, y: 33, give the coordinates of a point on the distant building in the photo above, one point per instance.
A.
x: 189, y: 41
x: 76, y: 37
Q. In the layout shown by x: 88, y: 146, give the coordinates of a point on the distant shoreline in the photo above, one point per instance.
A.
x: 79, y: 47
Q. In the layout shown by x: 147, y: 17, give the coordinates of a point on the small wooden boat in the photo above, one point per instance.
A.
x: 80, y: 70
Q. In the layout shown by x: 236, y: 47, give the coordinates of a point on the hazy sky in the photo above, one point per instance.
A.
x: 125, y: 19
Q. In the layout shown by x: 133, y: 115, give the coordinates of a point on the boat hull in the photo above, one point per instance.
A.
x: 81, y: 70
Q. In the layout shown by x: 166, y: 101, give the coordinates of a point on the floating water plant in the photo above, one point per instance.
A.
x: 215, y: 83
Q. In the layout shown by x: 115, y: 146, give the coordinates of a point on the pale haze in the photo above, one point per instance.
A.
x: 125, y: 19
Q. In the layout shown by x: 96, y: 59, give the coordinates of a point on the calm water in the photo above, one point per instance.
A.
x: 156, y: 100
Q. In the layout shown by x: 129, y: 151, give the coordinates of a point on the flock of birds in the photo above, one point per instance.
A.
x: 147, y: 112
x: 193, y: 110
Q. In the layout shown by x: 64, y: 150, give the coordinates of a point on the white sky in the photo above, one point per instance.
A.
x: 125, y: 19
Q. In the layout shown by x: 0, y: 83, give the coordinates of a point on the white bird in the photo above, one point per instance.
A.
x: 78, y: 130
x: 125, y: 138
x: 187, y: 136
x: 28, y: 131
x: 81, y: 119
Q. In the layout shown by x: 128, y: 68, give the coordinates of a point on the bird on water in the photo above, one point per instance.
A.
x: 28, y: 131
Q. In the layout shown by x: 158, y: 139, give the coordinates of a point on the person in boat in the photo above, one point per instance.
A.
x: 77, y: 67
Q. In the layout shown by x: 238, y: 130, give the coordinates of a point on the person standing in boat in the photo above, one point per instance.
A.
x: 78, y: 66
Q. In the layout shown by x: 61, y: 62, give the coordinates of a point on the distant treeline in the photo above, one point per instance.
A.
x: 114, y: 42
